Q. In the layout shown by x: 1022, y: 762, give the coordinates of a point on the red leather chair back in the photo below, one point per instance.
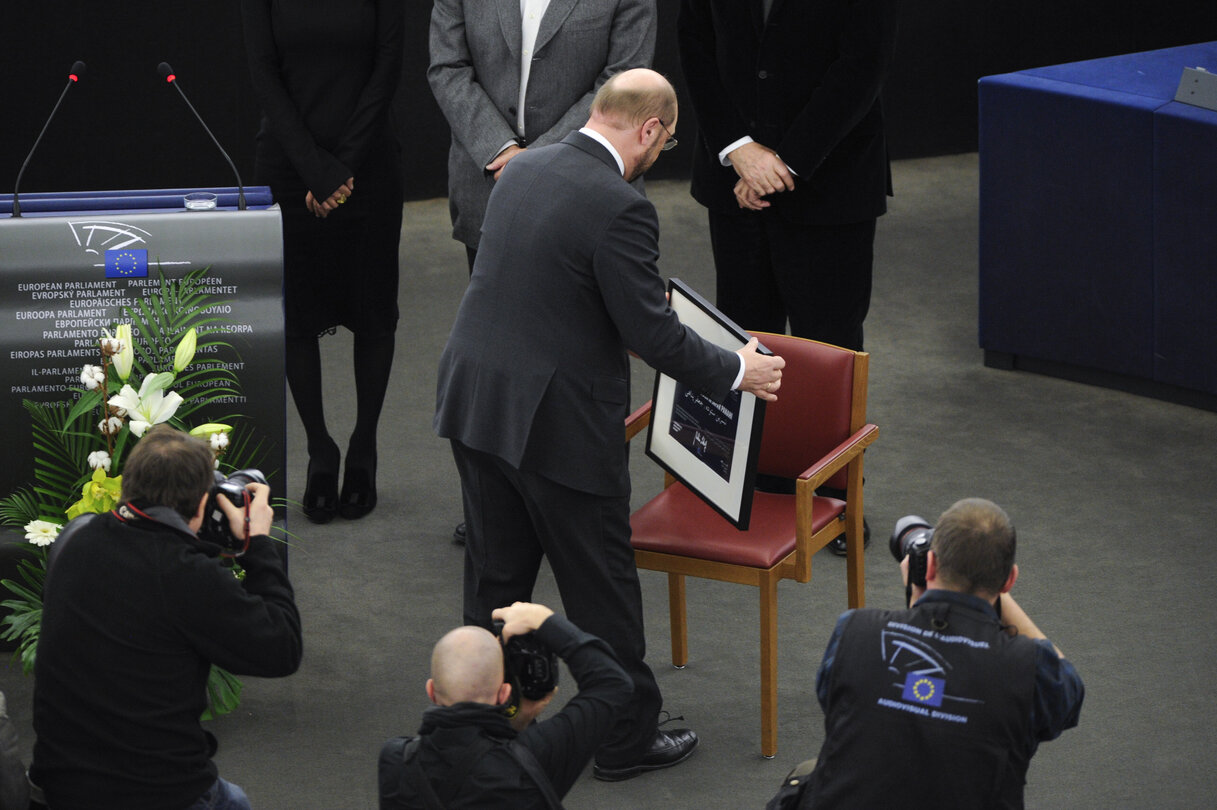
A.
x: 812, y: 412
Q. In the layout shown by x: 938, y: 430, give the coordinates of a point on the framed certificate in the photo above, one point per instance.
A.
x: 711, y: 447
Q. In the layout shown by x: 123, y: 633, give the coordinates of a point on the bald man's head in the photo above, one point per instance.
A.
x: 631, y: 97
x: 467, y: 666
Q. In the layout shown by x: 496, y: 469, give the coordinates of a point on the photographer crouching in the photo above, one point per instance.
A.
x: 137, y: 606
x: 479, y: 746
x: 942, y: 704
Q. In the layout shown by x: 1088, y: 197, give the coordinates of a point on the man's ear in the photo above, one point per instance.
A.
x: 931, y: 567
x: 431, y: 691
x: 1011, y: 579
x: 650, y: 127
x: 504, y: 695
x: 196, y: 522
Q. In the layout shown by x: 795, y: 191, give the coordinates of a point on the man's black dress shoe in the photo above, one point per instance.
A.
x: 459, y: 534
x: 669, y: 748
x: 837, y: 545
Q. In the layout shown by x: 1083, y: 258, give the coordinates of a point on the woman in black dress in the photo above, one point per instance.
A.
x: 325, y: 73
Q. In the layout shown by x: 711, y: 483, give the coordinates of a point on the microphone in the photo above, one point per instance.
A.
x: 74, y: 74
x: 166, y: 73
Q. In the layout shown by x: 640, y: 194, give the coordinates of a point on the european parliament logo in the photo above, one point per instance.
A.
x: 923, y: 689
x: 127, y: 263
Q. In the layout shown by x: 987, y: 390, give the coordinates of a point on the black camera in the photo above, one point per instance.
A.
x: 528, y: 665
x: 215, y: 528
x: 911, y: 538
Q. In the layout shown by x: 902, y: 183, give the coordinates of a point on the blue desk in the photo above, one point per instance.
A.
x: 1098, y: 222
x: 60, y: 203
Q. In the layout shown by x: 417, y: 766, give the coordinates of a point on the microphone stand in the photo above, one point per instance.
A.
x: 78, y: 68
x: 166, y: 73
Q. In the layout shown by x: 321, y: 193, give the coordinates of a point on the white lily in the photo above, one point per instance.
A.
x: 41, y: 532
x: 185, y: 350
x: 126, y: 353
x: 151, y: 405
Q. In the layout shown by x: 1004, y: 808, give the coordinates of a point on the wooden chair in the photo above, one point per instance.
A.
x: 815, y: 433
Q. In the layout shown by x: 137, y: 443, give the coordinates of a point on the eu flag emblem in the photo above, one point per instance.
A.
x: 127, y: 263
x: 923, y: 690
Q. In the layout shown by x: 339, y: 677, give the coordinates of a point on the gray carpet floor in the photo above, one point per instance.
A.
x: 1112, y: 495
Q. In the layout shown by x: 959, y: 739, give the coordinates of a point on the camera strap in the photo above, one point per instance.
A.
x: 533, y: 768
x: 410, y: 756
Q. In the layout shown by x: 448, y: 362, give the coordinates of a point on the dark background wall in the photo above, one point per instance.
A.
x: 122, y: 127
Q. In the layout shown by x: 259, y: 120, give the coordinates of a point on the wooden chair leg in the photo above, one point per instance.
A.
x: 676, y: 616
x: 855, y: 565
x: 769, y: 668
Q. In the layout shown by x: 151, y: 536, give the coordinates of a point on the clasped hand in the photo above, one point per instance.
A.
x: 340, y: 195
x: 761, y: 173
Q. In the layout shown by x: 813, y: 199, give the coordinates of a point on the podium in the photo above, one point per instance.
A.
x: 1098, y: 228
x: 61, y: 290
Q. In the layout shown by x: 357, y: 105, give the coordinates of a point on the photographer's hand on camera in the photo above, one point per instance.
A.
x: 915, y: 591
x: 520, y: 618
x: 261, y: 515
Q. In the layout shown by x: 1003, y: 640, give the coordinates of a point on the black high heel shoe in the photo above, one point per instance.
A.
x: 358, y: 490
x: 321, y: 491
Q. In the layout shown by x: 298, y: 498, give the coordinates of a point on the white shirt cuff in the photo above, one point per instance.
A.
x: 722, y: 156
x: 731, y: 147
x: 739, y: 378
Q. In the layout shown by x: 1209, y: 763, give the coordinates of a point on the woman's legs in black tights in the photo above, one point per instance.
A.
x: 303, y: 362
x: 373, y: 362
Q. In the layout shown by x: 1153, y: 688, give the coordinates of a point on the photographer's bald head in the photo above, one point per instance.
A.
x: 467, y: 667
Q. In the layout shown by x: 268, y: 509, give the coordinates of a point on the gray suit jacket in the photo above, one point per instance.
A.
x: 535, y: 370
x: 475, y: 76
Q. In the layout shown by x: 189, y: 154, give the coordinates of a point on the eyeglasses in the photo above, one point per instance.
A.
x: 670, y: 144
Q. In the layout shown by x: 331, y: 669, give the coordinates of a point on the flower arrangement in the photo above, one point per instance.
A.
x: 80, y: 445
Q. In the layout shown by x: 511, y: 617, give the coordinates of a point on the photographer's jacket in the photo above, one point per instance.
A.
x: 134, y: 615
x: 936, y: 706
x: 463, y: 747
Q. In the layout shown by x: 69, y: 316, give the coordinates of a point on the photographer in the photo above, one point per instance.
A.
x: 469, y: 754
x: 136, y: 609
x: 943, y: 704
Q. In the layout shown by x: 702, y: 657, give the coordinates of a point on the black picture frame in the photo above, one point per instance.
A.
x: 710, y: 447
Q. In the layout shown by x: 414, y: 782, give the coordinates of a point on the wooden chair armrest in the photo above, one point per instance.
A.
x: 842, y: 454
x: 638, y: 420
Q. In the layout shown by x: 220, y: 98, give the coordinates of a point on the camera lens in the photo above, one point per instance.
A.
x: 909, y: 529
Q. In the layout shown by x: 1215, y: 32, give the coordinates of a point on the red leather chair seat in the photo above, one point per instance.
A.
x: 678, y: 522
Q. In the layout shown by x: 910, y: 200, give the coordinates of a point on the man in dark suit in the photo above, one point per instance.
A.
x: 512, y: 74
x: 534, y: 387
x: 791, y: 159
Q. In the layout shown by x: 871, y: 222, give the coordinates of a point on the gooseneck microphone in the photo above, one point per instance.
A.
x: 166, y: 73
x: 78, y: 68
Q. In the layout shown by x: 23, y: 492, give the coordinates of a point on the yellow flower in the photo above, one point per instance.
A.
x: 100, y: 494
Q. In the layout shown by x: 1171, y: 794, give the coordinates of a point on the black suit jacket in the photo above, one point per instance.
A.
x: 805, y: 83
x: 535, y: 370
